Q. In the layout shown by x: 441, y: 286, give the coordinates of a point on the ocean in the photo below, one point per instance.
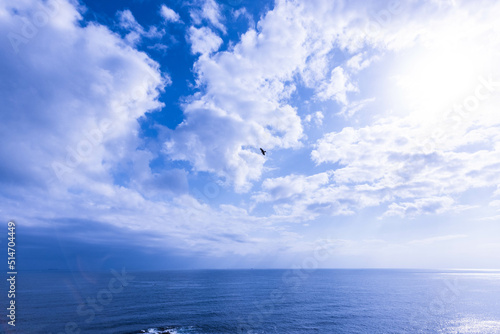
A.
x: 257, y: 301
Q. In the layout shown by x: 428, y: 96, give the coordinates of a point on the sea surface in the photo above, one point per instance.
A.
x: 257, y: 301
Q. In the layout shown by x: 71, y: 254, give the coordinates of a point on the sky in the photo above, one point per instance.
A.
x: 131, y: 133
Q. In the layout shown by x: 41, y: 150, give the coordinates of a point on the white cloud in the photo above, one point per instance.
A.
x: 490, y: 218
x: 73, y: 98
x: 433, y: 205
x: 203, y: 40
x: 244, y: 99
x: 169, y: 15
x: 337, y: 87
x: 316, y: 118
x: 495, y: 203
x: 291, y: 186
x: 246, y: 89
x: 354, y: 106
x: 136, y: 32
x: 60, y: 85
x: 210, y: 11
x: 359, y: 62
x: 86, y: 90
x: 397, y: 160
x: 403, y: 161
x: 243, y: 12
x: 301, y: 198
x: 437, y: 239
x: 127, y: 20
x: 439, y: 144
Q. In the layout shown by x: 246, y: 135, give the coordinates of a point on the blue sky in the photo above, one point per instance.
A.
x: 131, y: 133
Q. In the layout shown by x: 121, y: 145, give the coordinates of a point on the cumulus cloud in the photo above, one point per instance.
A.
x: 210, y: 11
x: 435, y: 205
x: 244, y: 95
x: 405, y: 160
x: 71, y: 105
x: 203, y: 40
x: 291, y: 186
x: 416, y: 160
x: 135, y: 32
x: 315, y: 118
x: 359, y: 61
x: 243, y: 12
x: 354, y: 106
x: 245, y: 91
x: 79, y: 92
x: 419, y: 160
x: 169, y: 15
x: 73, y: 94
x: 337, y: 87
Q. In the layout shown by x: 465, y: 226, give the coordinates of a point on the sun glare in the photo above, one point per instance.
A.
x: 431, y: 80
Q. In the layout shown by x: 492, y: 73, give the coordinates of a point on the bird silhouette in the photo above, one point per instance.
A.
x: 263, y: 152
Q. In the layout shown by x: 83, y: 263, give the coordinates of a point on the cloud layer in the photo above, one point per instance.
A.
x: 388, y: 111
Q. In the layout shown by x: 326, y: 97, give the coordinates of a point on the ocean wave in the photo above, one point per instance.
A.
x: 169, y: 330
x: 163, y: 330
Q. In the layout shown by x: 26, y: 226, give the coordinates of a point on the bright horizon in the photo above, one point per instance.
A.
x: 131, y: 134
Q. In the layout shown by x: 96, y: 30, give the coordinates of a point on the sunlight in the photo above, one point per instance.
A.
x: 430, y: 81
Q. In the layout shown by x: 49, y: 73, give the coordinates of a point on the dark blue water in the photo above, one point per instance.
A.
x: 258, y: 301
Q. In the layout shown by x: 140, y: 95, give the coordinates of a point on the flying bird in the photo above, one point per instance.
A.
x: 263, y: 152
